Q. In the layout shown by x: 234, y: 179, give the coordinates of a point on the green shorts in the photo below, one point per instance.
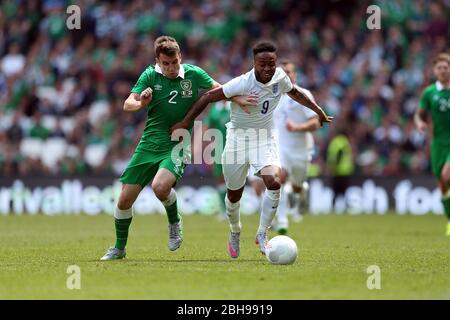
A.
x: 440, y: 155
x: 143, y: 167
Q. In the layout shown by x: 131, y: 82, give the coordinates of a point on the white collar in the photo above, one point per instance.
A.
x: 180, y: 72
x: 439, y: 86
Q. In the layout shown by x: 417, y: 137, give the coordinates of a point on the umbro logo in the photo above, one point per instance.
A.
x: 158, y: 87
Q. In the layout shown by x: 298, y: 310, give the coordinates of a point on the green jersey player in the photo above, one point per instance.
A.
x: 435, y: 100
x: 167, y: 89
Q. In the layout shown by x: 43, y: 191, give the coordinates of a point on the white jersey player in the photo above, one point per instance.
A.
x: 250, y: 142
x: 294, y: 124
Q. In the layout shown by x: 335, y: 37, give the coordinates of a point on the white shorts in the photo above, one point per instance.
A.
x: 296, y: 165
x: 239, y: 157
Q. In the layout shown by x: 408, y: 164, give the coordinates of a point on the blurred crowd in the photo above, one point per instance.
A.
x: 62, y: 91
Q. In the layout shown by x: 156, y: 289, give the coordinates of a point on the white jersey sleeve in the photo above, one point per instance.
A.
x: 285, y: 83
x: 235, y: 87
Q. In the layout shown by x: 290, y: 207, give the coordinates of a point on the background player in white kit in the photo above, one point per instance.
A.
x: 267, y: 83
x: 294, y: 125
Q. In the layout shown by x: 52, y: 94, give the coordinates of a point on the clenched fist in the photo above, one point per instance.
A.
x: 146, y: 96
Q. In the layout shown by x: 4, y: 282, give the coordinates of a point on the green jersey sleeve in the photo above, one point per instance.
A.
x: 424, y: 102
x: 142, y: 83
x: 204, y: 80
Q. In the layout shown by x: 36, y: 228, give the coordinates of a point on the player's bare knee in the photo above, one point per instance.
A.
x: 275, y: 186
x: 445, y: 175
x: 272, y: 182
x: 445, y: 178
x: 161, y: 190
x: 233, y: 196
x: 124, y: 203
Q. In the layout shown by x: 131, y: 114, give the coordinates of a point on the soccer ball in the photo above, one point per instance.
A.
x: 281, y: 250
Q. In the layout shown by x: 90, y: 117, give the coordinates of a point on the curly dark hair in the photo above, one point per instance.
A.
x: 264, y: 46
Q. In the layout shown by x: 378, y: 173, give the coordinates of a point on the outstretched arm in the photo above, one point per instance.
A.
x: 303, y: 99
x: 213, y: 95
x: 309, y: 125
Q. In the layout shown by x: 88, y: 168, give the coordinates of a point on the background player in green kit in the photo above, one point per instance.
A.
x: 167, y: 89
x: 435, y: 99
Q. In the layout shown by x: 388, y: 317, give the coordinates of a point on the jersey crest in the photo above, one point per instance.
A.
x: 275, y: 88
x: 186, y: 85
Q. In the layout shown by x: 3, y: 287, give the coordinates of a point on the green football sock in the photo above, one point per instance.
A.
x: 122, y: 226
x: 446, y: 203
x: 172, y: 213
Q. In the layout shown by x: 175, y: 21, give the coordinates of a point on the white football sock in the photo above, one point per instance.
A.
x: 171, y: 198
x: 269, y: 208
x: 282, y: 212
x: 233, y: 214
x: 123, y: 214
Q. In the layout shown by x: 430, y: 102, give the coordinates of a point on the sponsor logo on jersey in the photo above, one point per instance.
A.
x: 158, y: 87
x: 186, y: 94
x: 275, y: 88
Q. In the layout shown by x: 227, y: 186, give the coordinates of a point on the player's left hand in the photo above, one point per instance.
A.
x: 325, y: 118
x: 246, y: 101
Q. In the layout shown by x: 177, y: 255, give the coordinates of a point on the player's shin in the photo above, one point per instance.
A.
x: 232, y: 210
x: 170, y: 204
x: 282, y: 212
x: 296, y: 203
x: 122, y: 221
x: 269, y: 208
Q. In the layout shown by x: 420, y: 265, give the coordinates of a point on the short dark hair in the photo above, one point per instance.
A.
x: 166, y: 45
x: 264, y: 46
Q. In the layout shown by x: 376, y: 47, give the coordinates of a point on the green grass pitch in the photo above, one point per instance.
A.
x: 412, y: 253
